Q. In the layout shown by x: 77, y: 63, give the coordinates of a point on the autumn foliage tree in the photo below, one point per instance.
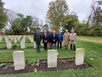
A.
x: 56, y: 13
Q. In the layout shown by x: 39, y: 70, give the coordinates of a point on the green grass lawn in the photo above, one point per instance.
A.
x: 90, y: 38
x: 93, y: 50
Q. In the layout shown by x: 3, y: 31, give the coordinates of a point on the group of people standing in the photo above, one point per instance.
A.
x: 51, y: 40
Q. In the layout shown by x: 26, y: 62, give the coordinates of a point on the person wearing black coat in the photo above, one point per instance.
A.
x: 37, y: 39
x: 54, y: 39
x: 50, y: 34
x: 45, y: 39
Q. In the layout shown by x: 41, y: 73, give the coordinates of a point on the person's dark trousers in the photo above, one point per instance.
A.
x: 59, y: 45
x: 73, y: 47
x: 54, y: 45
x: 45, y: 46
x: 38, y: 47
x: 50, y: 45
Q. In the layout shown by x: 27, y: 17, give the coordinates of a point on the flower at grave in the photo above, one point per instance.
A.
x: 91, y: 59
x: 38, y: 61
x: 35, y: 70
x: 32, y: 64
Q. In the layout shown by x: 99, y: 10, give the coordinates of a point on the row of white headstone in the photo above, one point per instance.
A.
x: 52, y: 57
x: 19, y: 61
x: 15, y: 39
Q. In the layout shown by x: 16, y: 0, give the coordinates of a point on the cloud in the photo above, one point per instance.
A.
x: 81, y: 7
x: 39, y: 8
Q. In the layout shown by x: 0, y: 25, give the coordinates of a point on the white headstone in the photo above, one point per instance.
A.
x: 52, y: 58
x: 19, y: 61
x: 8, y: 43
x: 79, y: 58
x: 22, y: 44
x: 31, y: 39
x: 15, y: 39
x: 24, y: 38
x: 1, y: 38
x: 34, y: 45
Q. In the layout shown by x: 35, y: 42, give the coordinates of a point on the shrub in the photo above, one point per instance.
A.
x: 81, y: 29
x: 96, y: 31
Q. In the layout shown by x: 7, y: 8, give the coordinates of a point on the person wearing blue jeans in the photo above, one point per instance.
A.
x: 37, y: 39
x: 38, y: 47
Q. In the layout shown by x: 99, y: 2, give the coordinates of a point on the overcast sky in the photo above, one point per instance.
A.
x: 39, y: 8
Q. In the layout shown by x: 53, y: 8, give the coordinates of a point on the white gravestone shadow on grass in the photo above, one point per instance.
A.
x: 11, y: 38
x: 52, y: 58
x: 79, y: 58
x: 19, y: 61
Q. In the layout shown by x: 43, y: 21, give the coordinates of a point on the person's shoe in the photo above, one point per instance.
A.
x: 66, y: 48
x: 45, y: 49
x: 60, y: 47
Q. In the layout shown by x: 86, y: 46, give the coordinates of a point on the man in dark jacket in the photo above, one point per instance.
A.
x: 45, y: 39
x: 54, y: 39
x: 37, y: 39
x: 50, y: 34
